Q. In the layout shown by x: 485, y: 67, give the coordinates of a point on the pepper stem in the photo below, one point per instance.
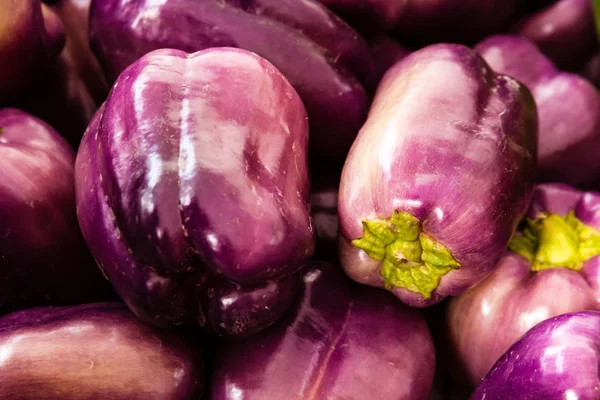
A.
x: 552, y: 241
x: 411, y: 259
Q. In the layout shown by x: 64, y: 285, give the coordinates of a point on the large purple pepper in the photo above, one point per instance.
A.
x: 565, y: 32
x: 555, y: 360
x: 31, y: 37
x: 337, y: 341
x: 43, y: 258
x: 326, y: 61
x: 438, y: 177
x: 195, y: 165
x: 95, y: 351
x: 560, y: 274
x: 568, y: 109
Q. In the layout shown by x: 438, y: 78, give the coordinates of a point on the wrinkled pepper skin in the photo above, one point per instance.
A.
x: 43, y: 258
x: 30, y: 40
x: 325, y: 60
x: 423, y: 22
x: 75, y: 15
x: 568, y: 109
x: 95, y: 351
x: 555, y: 360
x: 438, y: 177
x: 565, y: 32
x: 515, y: 297
x: 196, y: 164
x: 336, y: 341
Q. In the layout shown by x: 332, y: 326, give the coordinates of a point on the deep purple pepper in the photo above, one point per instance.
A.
x: 31, y: 37
x: 95, y: 351
x: 326, y: 61
x: 196, y: 164
x: 568, y: 109
x: 555, y: 360
x: 336, y: 341
x: 438, y: 177
x: 43, y: 258
x: 564, y: 30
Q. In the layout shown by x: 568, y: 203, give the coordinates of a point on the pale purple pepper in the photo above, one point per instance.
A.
x: 555, y: 360
x: 196, y: 164
x: 326, y: 61
x: 449, y: 148
x: 337, y: 341
x: 516, y: 296
x: 95, y: 351
x: 568, y: 109
x: 564, y: 31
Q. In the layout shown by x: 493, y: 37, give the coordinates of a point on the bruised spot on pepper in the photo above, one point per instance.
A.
x: 552, y: 241
x: 411, y: 259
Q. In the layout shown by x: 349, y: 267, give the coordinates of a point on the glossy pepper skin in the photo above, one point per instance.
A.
x: 568, y: 109
x: 196, y: 164
x: 325, y: 60
x: 30, y: 40
x: 556, y: 359
x: 438, y: 177
x: 95, y: 351
x: 336, y: 341
x: 561, y: 275
x: 564, y: 31
x: 43, y: 258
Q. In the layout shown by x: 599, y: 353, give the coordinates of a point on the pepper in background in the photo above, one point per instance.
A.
x: 568, y: 109
x: 337, y: 341
x: 555, y: 360
x: 326, y: 61
x: 95, y: 351
x: 438, y: 177
x: 43, y: 258
x: 195, y: 166
x: 553, y: 268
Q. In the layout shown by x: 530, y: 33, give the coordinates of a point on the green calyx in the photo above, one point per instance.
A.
x: 552, y: 241
x: 411, y: 259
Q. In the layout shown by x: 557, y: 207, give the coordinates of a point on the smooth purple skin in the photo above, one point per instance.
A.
x: 31, y: 38
x: 591, y: 69
x: 95, y: 351
x: 451, y: 143
x: 557, y: 359
x: 568, y: 109
x: 367, y: 14
x: 43, y: 258
x: 325, y: 60
x: 240, y: 130
x: 75, y: 14
x: 386, y: 53
x: 338, y: 340
x: 565, y: 31
x: 229, y: 309
x: 512, y: 299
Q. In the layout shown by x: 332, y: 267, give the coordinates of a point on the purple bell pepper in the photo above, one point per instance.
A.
x: 95, y: 351
x: 555, y: 360
x: 326, y: 61
x: 553, y: 269
x: 564, y: 31
x: 337, y: 341
x: 422, y: 22
x: 74, y: 15
x: 438, y: 177
x: 43, y: 258
x: 568, y: 108
x: 31, y: 37
x: 195, y: 165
